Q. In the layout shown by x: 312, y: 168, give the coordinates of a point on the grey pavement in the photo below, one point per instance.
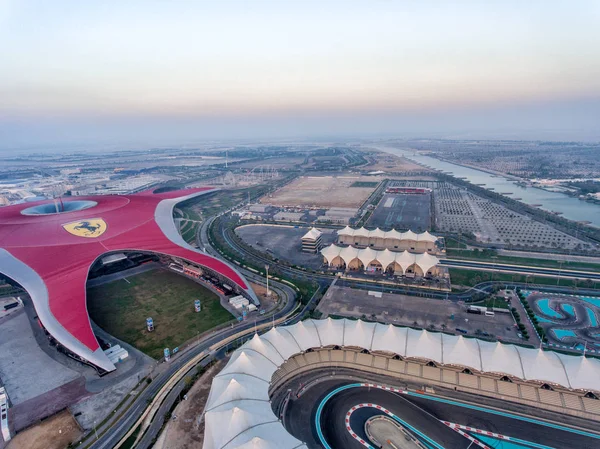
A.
x: 25, y: 369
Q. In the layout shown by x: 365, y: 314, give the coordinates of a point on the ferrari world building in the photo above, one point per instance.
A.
x: 48, y: 248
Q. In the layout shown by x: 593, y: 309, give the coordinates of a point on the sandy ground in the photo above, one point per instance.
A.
x: 54, y: 433
x: 323, y: 191
x: 393, y: 164
x: 261, y: 292
x: 187, y: 431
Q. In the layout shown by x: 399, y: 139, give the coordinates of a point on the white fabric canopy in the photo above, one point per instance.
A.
x: 232, y: 419
x: 358, y: 334
x: 312, y: 234
x: 282, y: 339
x: 424, y: 345
x: 235, y: 387
x: 462, y: 351
x: 501, y: 359
x: 543, y: 366
x: 389, y: 338
x: 238, y: 413
x: 393, y: 234
x: 386, y: 257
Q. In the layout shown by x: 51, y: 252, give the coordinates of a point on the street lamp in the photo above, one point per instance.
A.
x: 267, y: 269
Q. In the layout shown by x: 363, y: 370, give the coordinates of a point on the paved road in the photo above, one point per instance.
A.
x: 119, y: 427
x: 539, y: 255
x: 407, y: 290
x: 420, y: 411
x: 487, y: 266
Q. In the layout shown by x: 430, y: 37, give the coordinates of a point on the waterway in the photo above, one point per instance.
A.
x: 570, y: 207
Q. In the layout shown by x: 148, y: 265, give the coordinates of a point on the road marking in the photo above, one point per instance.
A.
x: 450, y: 402
x: 507, y: 415
x: 391, y: 415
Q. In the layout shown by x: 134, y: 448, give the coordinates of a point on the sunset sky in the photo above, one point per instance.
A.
x: 183, y: 70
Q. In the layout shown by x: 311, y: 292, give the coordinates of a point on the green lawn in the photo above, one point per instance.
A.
x: 121, y: 309
x: 364, y: 184
x: 470, y: 278
x: 487, y: 256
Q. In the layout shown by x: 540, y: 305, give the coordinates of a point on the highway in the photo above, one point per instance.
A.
x: 115, y: 429
x: 111, y: 432
x: 325, y: 279
x: 520, y: 269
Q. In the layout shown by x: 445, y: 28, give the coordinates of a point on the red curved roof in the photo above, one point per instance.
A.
x: 63, y: 260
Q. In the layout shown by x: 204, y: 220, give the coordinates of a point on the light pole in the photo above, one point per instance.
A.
x: 268, y: 292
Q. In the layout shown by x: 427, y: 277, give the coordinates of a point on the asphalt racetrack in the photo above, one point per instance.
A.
x: 319, y: 415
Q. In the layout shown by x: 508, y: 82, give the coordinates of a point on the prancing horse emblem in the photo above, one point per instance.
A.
x: 90, y: 228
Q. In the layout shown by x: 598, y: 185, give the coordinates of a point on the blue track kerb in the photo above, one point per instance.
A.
x: 433, y: 444
x: 320, y: 410
x: 447, y: 401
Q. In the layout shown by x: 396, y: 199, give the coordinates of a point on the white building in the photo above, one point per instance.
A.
x: 398, y: 263
x: 238, y: 411
x: 378, y: 239
x: 311, y: 241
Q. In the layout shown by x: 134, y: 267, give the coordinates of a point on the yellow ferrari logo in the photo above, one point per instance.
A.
x: 90, y: 228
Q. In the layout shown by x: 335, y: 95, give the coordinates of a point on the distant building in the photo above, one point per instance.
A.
x: 311, y: 241
x: 394, y: 240
x: 338, y: 215
x: 261, y: 208
x: 288, y: 216
x: 371, y: 261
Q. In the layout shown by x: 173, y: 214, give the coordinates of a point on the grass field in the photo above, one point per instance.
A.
x: 488, y: 256
x: 470, y: 278
x: 121, y: 309
x: 364, y: 184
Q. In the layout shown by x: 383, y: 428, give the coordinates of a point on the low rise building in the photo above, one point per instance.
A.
x: 311, y: 241
x: 394, y: 240
x: 288, y: 216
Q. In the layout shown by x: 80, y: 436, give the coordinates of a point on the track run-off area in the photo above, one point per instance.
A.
x: 337, y: 410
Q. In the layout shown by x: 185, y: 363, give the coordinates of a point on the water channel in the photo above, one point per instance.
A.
x: 570, y: 207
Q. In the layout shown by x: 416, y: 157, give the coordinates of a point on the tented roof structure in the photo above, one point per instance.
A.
x: 393, y: 234
x: 312, y: 234
x: 238, y: 413
x: 385, y: 258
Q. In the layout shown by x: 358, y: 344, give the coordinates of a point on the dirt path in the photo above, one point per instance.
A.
x: 53, y: 433
x: 187, y: 431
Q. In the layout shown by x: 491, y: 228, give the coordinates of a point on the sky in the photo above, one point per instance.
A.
x: 160, y: 72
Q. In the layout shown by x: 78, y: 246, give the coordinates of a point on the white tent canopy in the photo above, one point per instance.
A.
x: 238, y: 413
x: 393, y: 234
x: 312, y: 234
x: 385, y: 258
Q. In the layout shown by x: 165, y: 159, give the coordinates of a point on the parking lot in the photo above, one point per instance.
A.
x: 405, y: 310
x: 284, y: 242
x: 402, y: 211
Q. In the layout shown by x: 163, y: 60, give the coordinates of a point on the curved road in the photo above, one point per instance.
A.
x: 468, y: 295
x: 423, y: 412
x: 113, y: 431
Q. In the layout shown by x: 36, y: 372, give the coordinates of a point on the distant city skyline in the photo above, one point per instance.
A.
x: 172, y: 72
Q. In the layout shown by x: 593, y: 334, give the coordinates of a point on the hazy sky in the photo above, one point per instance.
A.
x: 79, y: 71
